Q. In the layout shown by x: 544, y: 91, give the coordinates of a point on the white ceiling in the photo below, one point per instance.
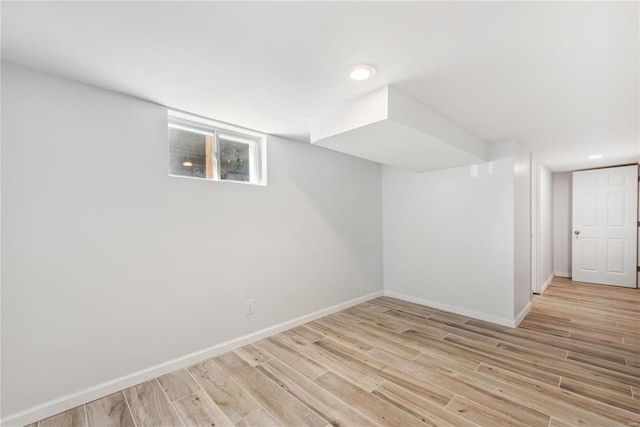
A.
x: 561, y: 77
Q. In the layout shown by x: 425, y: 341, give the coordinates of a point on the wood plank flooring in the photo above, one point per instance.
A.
x: 574, y: 361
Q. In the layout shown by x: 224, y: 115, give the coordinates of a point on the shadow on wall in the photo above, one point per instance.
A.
x: 562, y: 233
x: 336, y: 196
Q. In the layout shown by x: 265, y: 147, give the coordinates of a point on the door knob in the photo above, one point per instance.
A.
x: 577, y: 232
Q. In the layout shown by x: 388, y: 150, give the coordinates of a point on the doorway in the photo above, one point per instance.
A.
x: 604, y: 226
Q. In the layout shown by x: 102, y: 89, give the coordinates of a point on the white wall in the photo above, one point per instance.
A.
x: 449, y: 237
x: 459, y: 239
x: 535, y: 225
x: 522, y: 227
x: 110, y: 266
x: 562, y: 185
x: 545, y: 217
x: 541, y: 226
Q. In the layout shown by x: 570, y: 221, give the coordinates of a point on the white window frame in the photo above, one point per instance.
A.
x: 217, y: 130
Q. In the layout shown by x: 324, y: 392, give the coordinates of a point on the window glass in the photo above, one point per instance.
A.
x: 187, y: 153
x: 234, y: 160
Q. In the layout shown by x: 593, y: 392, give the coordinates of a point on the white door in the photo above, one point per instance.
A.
x: 605, y: 226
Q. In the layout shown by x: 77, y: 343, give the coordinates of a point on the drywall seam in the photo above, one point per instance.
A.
x: 98, y: 391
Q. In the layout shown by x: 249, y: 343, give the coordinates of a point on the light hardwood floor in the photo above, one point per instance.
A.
x: 574, y: 360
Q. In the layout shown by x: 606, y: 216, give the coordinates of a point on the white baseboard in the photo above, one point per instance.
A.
x: 546, y: 283
x: 523, y: 314
x: 561, y: 274
x: 98, y: 391
x: 511, y: 323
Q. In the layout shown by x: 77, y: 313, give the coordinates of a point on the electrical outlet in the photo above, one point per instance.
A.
x: 250, y: 306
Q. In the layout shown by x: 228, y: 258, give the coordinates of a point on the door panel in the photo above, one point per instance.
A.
x: 616, y: 255
x: 588, y: 213
x: 588, y: 254
x: 605, y: 207
x: 615, y: 210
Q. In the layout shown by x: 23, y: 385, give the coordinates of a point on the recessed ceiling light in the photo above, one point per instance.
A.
x: 595, y: 156
x: 187, y: 164
x: 361, y: 72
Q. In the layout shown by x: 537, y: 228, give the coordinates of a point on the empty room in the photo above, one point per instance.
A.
x: 320, y: 214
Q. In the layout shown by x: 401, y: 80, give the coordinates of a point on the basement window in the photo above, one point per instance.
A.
x: 206, y: 149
